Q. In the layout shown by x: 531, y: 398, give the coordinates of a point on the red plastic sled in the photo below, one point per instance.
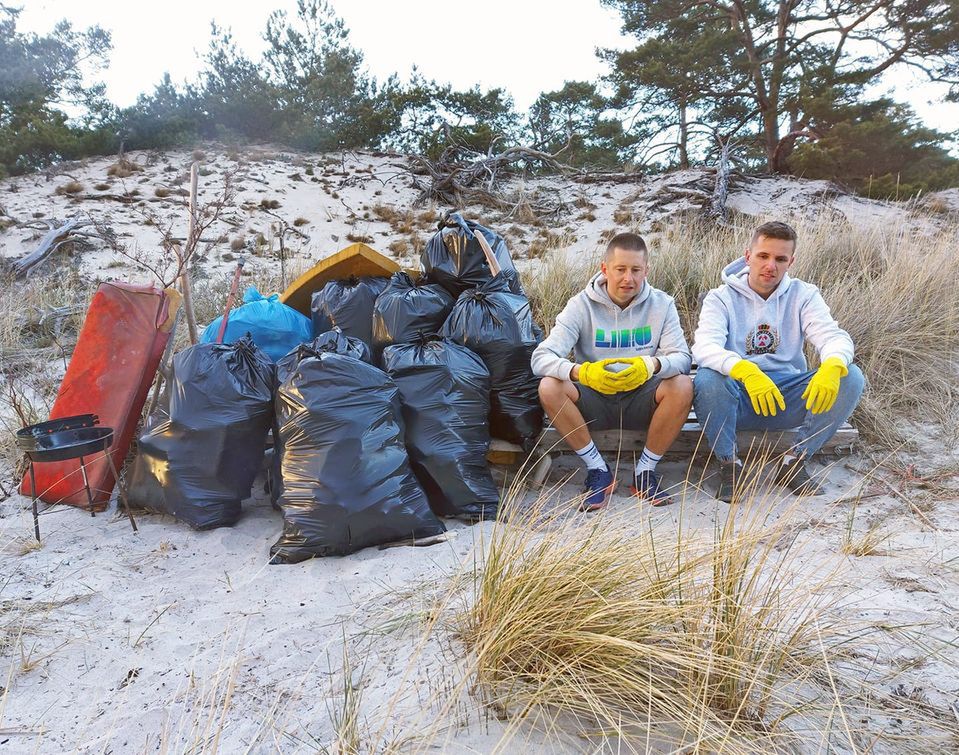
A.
x: 119, y: 349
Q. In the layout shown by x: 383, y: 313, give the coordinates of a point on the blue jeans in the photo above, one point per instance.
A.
x: 723, y: 407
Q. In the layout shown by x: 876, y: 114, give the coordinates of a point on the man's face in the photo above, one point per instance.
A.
x: 625, y: 272
x: 768, y: 260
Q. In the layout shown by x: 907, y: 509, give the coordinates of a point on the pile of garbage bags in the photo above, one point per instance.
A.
x: 381, y: 405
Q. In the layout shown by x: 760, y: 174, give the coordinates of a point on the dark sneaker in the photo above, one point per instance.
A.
x: 648, y: 488
x: 795, y: 478
x: 599, y: 484
x: 729, y: 473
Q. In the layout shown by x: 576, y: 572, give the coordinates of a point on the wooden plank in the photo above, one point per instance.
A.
x: 356, y: 259
x: 690, y: 440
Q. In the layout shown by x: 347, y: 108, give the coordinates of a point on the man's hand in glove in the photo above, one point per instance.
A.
x: 637, y: 371
x: 823, y: 388
x: 762, y: 391
x: 595, y: 375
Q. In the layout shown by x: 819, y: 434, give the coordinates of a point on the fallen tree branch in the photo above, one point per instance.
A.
x: 462, y: 176
x: 54, y: 239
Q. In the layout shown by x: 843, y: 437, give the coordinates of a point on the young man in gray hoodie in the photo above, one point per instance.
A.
x: 629, y: 369
x: 752, y: 373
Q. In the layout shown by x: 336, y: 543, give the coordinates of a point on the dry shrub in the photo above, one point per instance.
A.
x: 39, y: 325
x: 623, y: 216
x: 426, y: 220
x: 658, y: 642
x: 162, y: 192
x: 101, y: 186
x: 198, y: 155
x: 401, y: 221
x: 553, y: 281
x: 269, y: 204
x: 547, y: 241
x: 359, y: 238
x: 238, y: 243
x: 71, y: 187
x: 399, y: 247
x: 123, y: 168
x: 300, y: 222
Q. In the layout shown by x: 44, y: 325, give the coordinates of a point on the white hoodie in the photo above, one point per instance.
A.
x: 737, y: 323
x: 593, y: 327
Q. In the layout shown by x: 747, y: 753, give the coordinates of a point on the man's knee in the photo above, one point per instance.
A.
x: 710, y: 383
x: 678, y: 388
x: 555, y: 392
x: 853, y: 383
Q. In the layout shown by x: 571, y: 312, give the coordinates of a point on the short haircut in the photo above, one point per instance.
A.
x: 628, y: 242
x: 775, y: 229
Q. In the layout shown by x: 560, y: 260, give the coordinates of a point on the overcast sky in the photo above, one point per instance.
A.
x: 525, y: 46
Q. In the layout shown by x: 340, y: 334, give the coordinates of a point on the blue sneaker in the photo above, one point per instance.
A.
x: 599, y: 485
x: 648, y: 488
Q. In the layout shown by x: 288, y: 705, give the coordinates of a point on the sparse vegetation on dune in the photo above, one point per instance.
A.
x: 641, y: 640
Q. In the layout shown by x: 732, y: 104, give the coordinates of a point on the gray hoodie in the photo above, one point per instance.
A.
x: 593, y: 327
x: 737, y: 323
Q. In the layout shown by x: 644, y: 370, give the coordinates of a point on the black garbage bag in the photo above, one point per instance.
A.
x: 454, y: 258
x: 444, y: 389
x: 346, y: 477
x: 200, y: 464
x: 407, y: 308
x: 348, y: 305
x: 337, y: 342
x: 498, y: 325
x: 333, y: 342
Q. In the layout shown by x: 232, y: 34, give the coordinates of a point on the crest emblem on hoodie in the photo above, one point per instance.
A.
x: 763, y: 339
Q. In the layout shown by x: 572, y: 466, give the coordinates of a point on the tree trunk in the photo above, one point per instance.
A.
x: 771, y: 139
x: 683, y: 137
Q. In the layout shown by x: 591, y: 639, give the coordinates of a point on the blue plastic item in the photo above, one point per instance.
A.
x: 274, y: 327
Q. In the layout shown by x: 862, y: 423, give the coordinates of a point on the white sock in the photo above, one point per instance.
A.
x: 591, y: 457
x: 648, y: 461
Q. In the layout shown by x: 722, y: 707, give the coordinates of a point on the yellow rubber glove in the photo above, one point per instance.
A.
x: 823, y: 388
x: 638, y: 371
x: 595, y: 375
x: 762, y: 391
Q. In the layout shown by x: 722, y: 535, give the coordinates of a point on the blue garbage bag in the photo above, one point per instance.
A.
x: 274, y: 327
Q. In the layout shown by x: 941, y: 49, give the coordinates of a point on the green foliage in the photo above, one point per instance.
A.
x: 881, y: 152
x: 433, y: 116
x: 573, y: 123
x: 40, y: 77
x: 777, y: 65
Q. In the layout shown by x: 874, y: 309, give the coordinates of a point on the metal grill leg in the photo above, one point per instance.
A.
x: 33, y: 495
x: 121, y: 493
x: 86, y: 487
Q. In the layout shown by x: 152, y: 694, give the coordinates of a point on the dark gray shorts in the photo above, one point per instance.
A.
x: 621, y: 411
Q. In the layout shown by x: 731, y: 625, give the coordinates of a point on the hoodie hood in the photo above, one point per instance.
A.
x: 736, y: 274
x: 597, y: 291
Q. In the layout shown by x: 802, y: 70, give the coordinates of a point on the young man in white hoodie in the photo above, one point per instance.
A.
x: 629, y: 369
x: 752, y: 373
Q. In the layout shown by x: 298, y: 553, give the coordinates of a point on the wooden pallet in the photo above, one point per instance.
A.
x: 629, y: 443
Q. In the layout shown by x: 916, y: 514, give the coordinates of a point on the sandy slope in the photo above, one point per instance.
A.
x: 172, y: 640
